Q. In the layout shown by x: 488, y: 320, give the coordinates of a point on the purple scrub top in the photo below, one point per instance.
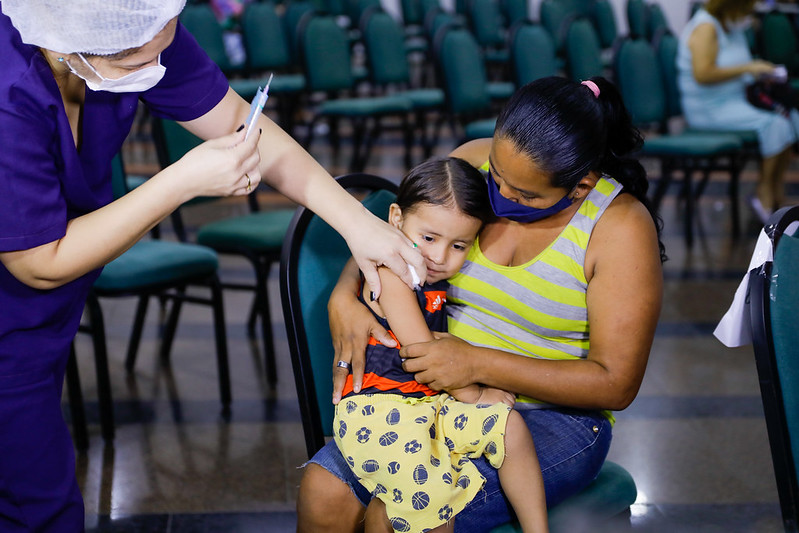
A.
x: 45, y: 181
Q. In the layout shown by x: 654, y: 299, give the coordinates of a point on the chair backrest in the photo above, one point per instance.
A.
x: 605, y: 21
x: 412, y: 13
x: 292, y: 14
x: 778, y: 42
x: 655, y: 20
x: 532, y: 52
x: 514, y: 11
x: 640, y: 82
x: 172, y: 141
x: 384, y: 41
x: 552, y: 15
x: 325, y: 52
x: 637, y: 18
x: 265, y: 37
x: 434, y: 19
x: 666, y: 44
x: 462, y: 71
x: 773, y: 294
x: 203, y: 25
x: 311, y: 261
x: 485, y: 19
x: 583, y: 52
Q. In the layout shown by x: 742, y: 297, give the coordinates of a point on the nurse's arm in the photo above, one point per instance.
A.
x: 215, y: 168
x: 287, y: 167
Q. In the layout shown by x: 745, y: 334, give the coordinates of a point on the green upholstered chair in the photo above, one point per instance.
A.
x: 312, y: 258
x: 605, y: 21
x: 327, y: 60
x: 163, y: 269
x: 777, y: 42
x: 655, y: 20
x: 256, y: 236
x: 665, y: 44
x: 292, y: 14
x: 389, y: 72
x: 201, y: 22
x: 268, y: 51
x: 552, y: 15
x: 773, y: 295
x: 637, y: 22
x: 641, y: 83
x: 514, y: 11
x: 532, y: 53
x: 582, y: 50
x: 462, y: 75
x: 488, y: 27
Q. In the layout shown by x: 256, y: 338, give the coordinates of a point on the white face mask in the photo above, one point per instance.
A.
x: 135, y: 82
x: 741, y: 24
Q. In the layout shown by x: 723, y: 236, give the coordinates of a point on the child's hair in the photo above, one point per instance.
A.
x: 447, y: 181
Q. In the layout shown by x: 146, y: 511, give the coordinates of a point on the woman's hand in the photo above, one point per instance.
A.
x: 227, y: 166
x: 351, y: 326
x: 375, y: 243
x: 758, y: 68
x: 441, y: 364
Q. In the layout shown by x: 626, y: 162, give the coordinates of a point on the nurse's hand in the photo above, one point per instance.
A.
x: 227, y: 166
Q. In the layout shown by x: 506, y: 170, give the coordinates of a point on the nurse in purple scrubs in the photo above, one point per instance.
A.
x: 71, y: 76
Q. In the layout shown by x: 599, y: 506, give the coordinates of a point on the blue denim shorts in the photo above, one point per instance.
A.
x: 571, y: 447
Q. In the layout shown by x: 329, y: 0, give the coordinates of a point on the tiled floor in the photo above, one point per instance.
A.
x: 694, y: 440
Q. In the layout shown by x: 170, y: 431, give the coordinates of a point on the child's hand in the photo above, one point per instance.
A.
x: 490, y: 395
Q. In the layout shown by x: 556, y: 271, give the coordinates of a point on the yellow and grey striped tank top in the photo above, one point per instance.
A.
x: 537, y: 309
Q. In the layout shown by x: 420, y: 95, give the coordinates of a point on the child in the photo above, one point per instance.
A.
x: 408, y: 444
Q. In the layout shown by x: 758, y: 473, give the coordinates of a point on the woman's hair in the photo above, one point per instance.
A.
x: 447, y: 181
x: 722, y: 8
x: 567, y: 131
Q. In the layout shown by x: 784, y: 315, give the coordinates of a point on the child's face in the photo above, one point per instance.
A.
x: 443, y: 234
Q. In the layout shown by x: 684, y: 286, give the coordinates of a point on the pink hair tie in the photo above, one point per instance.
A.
x: 593, y: 86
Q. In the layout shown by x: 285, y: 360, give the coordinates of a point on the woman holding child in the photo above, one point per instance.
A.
x: 557, y: 301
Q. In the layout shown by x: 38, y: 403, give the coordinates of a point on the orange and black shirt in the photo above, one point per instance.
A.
x: 383, y: 372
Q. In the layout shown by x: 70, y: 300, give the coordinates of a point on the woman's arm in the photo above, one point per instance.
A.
x: 704, y: 47
x: 286, y: 166
x: 215, y: 168
x: 623, y: 298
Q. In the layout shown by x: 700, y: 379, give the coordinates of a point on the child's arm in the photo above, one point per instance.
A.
x: 402, y: 312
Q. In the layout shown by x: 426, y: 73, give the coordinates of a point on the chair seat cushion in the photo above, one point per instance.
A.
x: 364, y: 107
x: 156, y: 263
x: 425, y: 98
x: 692, y: 144
x: 287, y: 83
x: 748, y: 137
x: 261, y: 232
x: 610, y: 494
x: 480, y: 129
x: 500, y: 90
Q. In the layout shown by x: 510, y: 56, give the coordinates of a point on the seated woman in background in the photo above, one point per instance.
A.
x: 557, y: 301
x: 714, y: 67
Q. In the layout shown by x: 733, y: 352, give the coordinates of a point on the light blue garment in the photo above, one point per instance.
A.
x: 723, y: 106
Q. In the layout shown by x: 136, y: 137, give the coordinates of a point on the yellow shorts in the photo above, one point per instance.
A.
x: 414, y: 453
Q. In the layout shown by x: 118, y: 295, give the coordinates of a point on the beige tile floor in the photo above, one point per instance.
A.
x: 694, y: 440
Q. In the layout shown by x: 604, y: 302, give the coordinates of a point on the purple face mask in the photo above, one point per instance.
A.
x: 517, y: 212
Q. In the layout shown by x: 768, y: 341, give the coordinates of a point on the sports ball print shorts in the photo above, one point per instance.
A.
x: 414, y: 453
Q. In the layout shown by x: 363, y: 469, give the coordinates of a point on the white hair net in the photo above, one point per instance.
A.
x: 101, y: 27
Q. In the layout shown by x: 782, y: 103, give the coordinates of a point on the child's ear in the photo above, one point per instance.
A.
x: 395, y: 216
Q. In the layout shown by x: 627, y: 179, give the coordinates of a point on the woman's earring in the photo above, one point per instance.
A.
x: 60, y: 59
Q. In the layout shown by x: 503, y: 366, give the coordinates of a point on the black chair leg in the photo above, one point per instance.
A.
x: 735, y: 176
x: 220, y: 336
x: 80, y: 431
x: 171, y: 325
x: 106, y: 403
x: 262, y: 297
x: 407, y: 135
x: 689, y: 208
x: 662, y: 185
x: 358, y: 160
x: 252, y: 318
x: 135, y: 334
